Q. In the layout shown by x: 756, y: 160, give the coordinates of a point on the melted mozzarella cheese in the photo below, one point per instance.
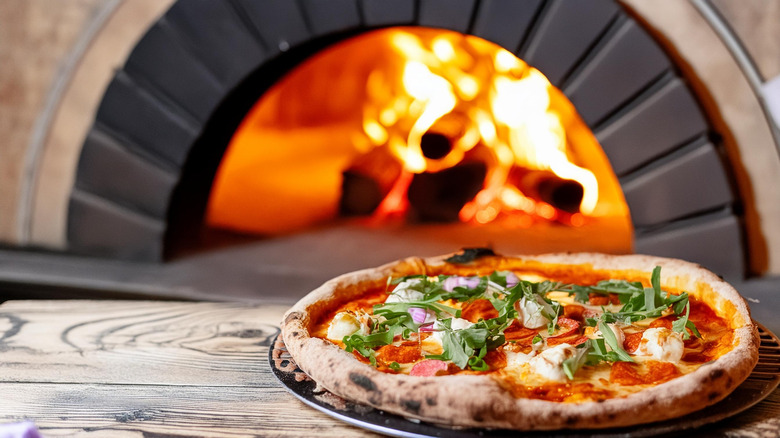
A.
x: 403, y: 292
x: 661, y: 344
x: 345, y: 324
x: 549, y: 363
x: 517, y: 359
x: 531, y: 312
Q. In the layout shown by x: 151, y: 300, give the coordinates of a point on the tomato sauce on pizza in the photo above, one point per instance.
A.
x: 543, y: 338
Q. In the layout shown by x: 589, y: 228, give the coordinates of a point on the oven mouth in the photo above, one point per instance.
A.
x: 419, y: 126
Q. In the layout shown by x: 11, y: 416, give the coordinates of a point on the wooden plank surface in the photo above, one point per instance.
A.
x: 130, y: 369
x: 133, y: 369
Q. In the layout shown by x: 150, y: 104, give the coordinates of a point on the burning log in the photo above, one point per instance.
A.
x: 563, y: 194
x: 360, y: 194
x: 439, y: 197
x: 366, y: 183
x: 435, y: 146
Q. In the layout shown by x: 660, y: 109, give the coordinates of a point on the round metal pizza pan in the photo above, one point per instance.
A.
x: 762, y: 381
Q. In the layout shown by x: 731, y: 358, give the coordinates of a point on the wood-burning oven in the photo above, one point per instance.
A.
x: 164, y: 121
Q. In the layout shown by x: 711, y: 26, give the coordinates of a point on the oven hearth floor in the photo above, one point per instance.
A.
x: 283, y: 269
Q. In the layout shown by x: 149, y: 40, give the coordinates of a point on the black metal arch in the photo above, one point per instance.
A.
x: 166, y: 118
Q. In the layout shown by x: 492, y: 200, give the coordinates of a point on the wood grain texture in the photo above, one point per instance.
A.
x: 130, y: 368
x: 135, y: 369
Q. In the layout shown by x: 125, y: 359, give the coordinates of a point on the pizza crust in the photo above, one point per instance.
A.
x: 480, y: 400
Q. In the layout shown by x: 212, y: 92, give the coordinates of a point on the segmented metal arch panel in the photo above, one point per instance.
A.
x: 616, y: 74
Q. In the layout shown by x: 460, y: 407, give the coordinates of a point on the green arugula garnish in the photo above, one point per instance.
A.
x: 467, y: 347
x: 572, y: 364
x: 682, y: 323
x: 638, y: 302
x: 611, y: 340
x: 365, y: 344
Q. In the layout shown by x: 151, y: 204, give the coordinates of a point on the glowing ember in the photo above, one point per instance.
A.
x: 503, y: 107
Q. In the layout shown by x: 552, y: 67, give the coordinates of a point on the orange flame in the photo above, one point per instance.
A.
x: 364, y: 106
x: 506, y: 106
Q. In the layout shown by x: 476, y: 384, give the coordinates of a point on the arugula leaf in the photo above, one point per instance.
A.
x: 498, y: 277
x: 581, y: 293
x: 473, y: 336
x: 455, y: 349
x: 467, y: 347
x: 461, y: 293
x: 620, y: 287
x: 365, y: 344
x: 680, y: 303
x: 649, y: 296
x: 574, y: 363
x: 655, y: 280
x: 599, y: 353
x: 611, y: 340
x: 682, y: 323
x: 624, y: 289
x: 389, y: 310
x: 553, y: 317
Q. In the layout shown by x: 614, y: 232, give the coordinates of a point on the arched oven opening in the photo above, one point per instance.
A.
x: 419, y: 128
x: 172, y: 114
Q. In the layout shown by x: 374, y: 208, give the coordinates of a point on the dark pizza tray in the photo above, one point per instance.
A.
x: 761, y: 382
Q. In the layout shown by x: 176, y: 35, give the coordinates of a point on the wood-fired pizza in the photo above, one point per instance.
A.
x: 557, y: 341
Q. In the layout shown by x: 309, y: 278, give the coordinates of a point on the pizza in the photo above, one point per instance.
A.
x: 556, y: 341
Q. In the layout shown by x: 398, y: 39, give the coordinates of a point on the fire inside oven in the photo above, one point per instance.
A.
x: 416, y: 125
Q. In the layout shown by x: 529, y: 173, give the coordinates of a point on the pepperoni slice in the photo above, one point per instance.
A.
x: 598, y: 299
x: 665, y: 322
x: 602, y: 300
x: 567, y: 327
x: 429, y: 368
x: 632, y: 340
x: 405, y: 353
x: 517, y: 332
x: 568, y: 333
x: 495, y: 359
x: 587, y: 313
x: 627, y: 373
x: 574, y: 339
x: 574, y: 312
x: 477, y: 309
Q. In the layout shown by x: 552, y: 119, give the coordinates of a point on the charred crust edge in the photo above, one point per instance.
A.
x: 292, y: 316
x: 362, y: 381
x: 469, y: 255
x: 412, y: 406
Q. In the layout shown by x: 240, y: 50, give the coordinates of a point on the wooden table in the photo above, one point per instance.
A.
x: 133, y: 369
